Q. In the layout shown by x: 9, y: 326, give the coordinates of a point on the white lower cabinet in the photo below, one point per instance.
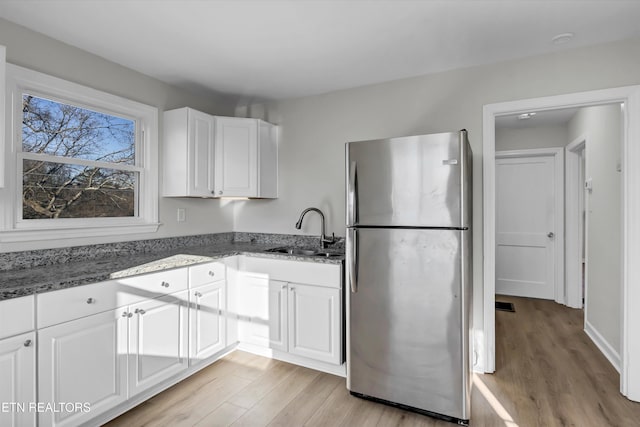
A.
x: 90, y: 365
x: 18, y: 384
x: 301, y: 319
x: 314, y: 322
x: 207, y: 321
x: 158, y: 337
x: 82, y: 362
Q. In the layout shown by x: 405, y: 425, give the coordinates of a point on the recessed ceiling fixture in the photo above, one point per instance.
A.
x: 525, y: 116
x: 562, y: 38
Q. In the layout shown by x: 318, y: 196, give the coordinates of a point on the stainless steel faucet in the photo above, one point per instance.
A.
x: 323, y: 239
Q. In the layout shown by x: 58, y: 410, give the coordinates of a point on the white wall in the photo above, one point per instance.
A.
x: 531, y: 137
x: 38, y: 52
x: 314, y: 129
x: 602, y: 126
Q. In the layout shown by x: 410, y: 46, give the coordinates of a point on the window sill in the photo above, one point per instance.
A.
x: 31, y: 235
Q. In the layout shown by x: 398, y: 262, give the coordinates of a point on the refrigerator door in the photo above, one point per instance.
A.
x: 408, y: 318
x: 416, y: 181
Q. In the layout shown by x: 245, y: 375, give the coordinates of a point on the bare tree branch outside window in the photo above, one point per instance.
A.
x: 78, y: 163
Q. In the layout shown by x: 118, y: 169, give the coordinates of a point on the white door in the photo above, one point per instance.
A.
x: 18, y: 387
x: 528, y: 217
x: 207, y: 321
x: 201, y: 154
x: 236, y: 157
x: 157, y: 341
x: 314, y: 322
x: 263, y: 311
x: 82, y: 361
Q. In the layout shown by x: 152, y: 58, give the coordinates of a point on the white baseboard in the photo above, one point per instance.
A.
x: 605, y: 348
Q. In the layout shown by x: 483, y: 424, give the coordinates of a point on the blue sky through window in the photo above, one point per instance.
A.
x: 59, y: 129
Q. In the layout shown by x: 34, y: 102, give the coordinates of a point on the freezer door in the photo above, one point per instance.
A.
x: 421, y: 181
x: 408, y: 318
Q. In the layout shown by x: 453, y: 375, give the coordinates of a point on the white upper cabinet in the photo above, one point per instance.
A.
x: 246, y: 158
x: 188, y: 153
x: 207, y: 156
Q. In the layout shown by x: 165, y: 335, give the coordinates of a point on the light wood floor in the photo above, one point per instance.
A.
x: 548, y: 374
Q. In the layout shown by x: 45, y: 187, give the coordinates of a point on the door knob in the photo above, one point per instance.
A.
x: 550, y: 234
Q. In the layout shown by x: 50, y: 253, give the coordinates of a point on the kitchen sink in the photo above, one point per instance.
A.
x: 304, y: 252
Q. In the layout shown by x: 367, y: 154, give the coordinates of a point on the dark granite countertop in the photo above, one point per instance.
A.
x: 21, y: 282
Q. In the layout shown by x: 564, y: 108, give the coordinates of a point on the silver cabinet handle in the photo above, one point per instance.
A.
x: 164, y: 284
x: 352, y: 258
x: 27, y: 343
x: 90, y: 300
x: 550, y: 235
x: 283, y: 287
x: 124, y: 314
x: 198, y: 294
x: 211, y: 273
x: 139, y: 311
x: 220, y: 192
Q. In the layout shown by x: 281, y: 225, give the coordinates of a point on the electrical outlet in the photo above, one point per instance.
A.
x: 182, y: 215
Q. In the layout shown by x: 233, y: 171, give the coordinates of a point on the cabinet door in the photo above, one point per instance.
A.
x: 314, y: 322
x: 236, y: 157
x: 262, y: 311
x: 82, y: 361
x: 207, y: 321
x: 18, y: 373
x: 201, y: 154
x: 157, y: 340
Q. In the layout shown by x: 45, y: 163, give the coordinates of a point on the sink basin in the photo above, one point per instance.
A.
x: 304, y: 252
x: 293, y: 251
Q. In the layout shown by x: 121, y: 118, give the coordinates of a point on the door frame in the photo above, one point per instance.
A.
x: 630, y: 318
x: 575, y: 203
x: 558, y: 154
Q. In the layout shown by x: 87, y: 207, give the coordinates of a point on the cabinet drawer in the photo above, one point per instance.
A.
x: 312, y: 273
x: 155, y: 284
x: 68, y: 304
x: 206, y: 273
x: 17, y: 315
x: 73, y: 303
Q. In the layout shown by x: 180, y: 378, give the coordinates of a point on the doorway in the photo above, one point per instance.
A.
x: 630, y: 244
x: 575, y: 223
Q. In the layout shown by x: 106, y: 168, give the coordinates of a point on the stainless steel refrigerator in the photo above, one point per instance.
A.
x: 409, y: 272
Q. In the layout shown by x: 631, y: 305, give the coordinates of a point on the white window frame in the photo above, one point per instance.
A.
x: 15, y: 229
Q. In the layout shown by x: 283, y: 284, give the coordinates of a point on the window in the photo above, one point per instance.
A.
x: 83, y: 160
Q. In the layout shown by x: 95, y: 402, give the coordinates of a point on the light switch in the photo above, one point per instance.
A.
x: 182, y: 214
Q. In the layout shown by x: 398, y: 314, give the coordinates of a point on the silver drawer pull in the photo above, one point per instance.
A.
x: 90, y: 300
x: 164, y: 284
x: 140, y: 311
x: 27, y: 343
x: 211, y: 273
x: 198, y: 294
x: 125, y: 314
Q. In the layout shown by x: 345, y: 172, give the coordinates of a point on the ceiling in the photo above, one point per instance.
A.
x: 545, y: 118
x: 261, y: 50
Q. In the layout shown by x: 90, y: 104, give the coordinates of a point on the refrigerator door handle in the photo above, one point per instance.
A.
x: 352, y: 201
x: 352, y: 258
